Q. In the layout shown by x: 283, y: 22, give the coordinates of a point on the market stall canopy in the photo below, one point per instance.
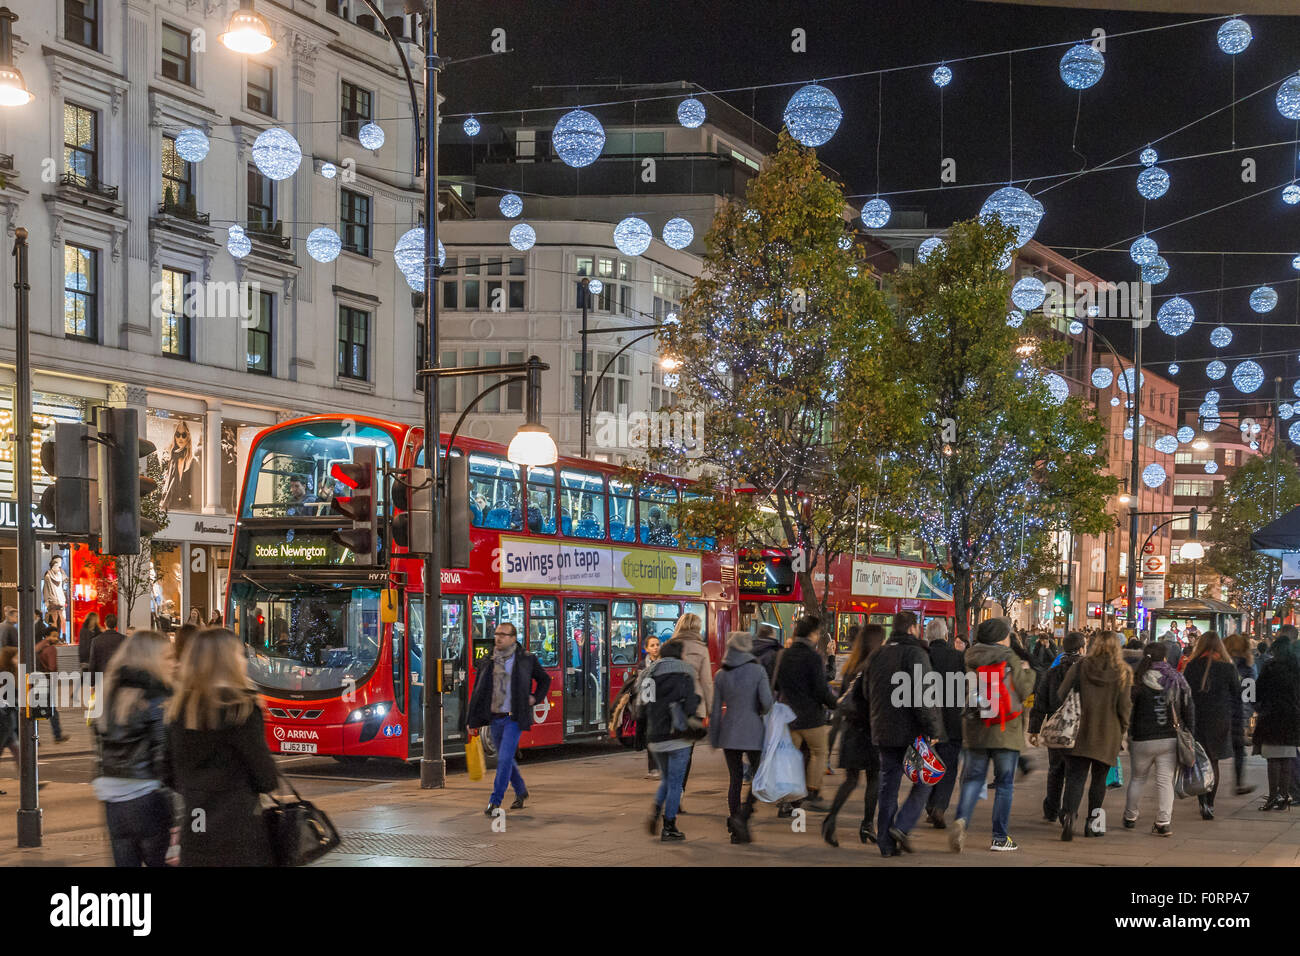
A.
x: 1280, y: 536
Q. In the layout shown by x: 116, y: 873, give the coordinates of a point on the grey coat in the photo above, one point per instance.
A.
x: 741, y: 696
x: 695, y: 655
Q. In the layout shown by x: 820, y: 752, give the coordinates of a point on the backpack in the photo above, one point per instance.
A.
x: 1007, y: 702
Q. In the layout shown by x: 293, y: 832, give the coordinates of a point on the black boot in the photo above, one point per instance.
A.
x: 866, y: 832
x: 828, y: 831
x: 739, y: 828
x: 1067, y: 827
x: 670, y: 832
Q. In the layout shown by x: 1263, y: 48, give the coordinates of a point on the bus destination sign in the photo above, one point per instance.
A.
x: 770, y: 577
x: 297, y: 551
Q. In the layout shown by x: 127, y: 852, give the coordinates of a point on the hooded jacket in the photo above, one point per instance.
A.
x: 741, y: 696
x: 1157, y: 697
x: 1105, y: 706
x: 765, y: 650
x: 135, y: 749
x: 976, y: 735
x: 949, y: 661
x: 674, y: 682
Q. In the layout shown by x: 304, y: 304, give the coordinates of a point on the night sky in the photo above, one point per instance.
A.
x: 1153, y: 84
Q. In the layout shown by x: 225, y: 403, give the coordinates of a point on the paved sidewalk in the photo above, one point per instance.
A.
x: 591, y: 809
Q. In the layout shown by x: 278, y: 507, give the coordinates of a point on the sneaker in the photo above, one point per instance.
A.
x: 1003, y: 844
x: 957, y: 838
x: 1160, y: 829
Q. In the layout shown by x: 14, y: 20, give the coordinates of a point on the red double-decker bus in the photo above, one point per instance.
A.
x: 584, y: 564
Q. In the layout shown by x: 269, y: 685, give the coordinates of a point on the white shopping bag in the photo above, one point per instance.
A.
x: 780, y: 773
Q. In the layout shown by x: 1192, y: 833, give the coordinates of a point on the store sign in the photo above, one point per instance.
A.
x: 9, y: 518
x: 298, y: 551
x: 198, y: 529
x: 875, y: 579
x: 529, y: 563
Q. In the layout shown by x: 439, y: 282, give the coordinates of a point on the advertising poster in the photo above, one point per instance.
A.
x: 179, y: 443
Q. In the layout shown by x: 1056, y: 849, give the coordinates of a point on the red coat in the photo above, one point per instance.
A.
x: 47, y: 655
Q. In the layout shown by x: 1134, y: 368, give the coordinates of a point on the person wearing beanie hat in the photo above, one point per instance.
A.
x: 741, y: 696
x: 993, y: 631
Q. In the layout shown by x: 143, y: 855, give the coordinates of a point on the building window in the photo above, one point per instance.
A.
x: 81, y: 22
x: 261, y: 83
x: 355, y: 109
x: 1193, y: 489
x: 80, y: 293
x: 354, y: 343
x: 177, y: 176
x: 261, y: 201
x: 176, y: 319
x: 262, y: 309
x: 447, y: 386
x: 613, y: 390
x: 177, y: 58
x: 354, y: 215
x: 487, y: 283
x: 81, y: 144
x: 515, y: 390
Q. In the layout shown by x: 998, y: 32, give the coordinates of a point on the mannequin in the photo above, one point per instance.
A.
x: 56, y: 601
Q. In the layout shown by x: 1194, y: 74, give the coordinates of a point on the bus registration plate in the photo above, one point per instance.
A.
x: 296, y: 747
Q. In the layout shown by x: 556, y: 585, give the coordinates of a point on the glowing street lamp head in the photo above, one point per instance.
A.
x: 1201, y: 443
x: 670, y: 364
x: 1191, y: 550
x: 13, y: 89
x: 532, y: 445
x: 248, y: 33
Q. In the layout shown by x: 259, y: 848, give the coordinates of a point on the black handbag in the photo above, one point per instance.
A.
x: 299, y: 831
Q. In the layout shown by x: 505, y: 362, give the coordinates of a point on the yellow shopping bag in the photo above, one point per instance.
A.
x: 474, y: 757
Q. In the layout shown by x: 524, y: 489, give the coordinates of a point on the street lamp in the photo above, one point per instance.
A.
x: 1201, y: 443
x: 248, y: 33
x: 13, y: 89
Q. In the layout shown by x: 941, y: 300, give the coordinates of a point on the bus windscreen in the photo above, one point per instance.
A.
x: 289, y: 469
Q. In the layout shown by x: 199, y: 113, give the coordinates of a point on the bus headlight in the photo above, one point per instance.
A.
x: 370, y: 717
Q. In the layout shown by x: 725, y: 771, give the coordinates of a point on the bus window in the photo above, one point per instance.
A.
x: 487, y: 612
x: 658, y: 618
x: 541, y: 501
x: 582, y: 497
x: 622, y: 511
x: 658, y: 525
x: 704, y: 542
x: 494, y: 493
x: 623, y: 632
x: 541, y: 632
x: 697, y: 607
x: 289, y: 469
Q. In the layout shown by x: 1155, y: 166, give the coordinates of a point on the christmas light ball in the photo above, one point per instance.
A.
x: 690, y: 113
x: 1114, y: 400
x: 1186, y: 434
x: 1295, y: 263
x: 328, y: 170
x: 1156, y: 271
x: 1143, y: 251
x: 1288, y: 97
x: 1153, y: 183
x: 1028, y: 293
x: 929, y: 246
x: 679, y: 233
x: 510, y: 205
x: 1125, y: 380
x: 1296, y: 388
x: 1294, y: 432
x: 237, y: 242
x: 1212, y: 396
x: 1173, y: 368
x: 1153, y: 475
x: 1082, y: 66
x: 1015, y: 318
x: 192, y: 145
x: 1175, y: 316
x: 1285, y: 411
x: 1216, y: 370
x: 371, y: 136
x: 1076, y: 327
x: 472, y: 127
x: 844, y: 242
x: 276, y: 154
x: 876, y: 213
x: 1211, y: 424
x: 1128, y: 433
x: 1234, y: 36
x: 1211, y: 467
x: 1148, y: 157
x: 1166, y: 444
x: 578, y: 138
x: 595, y: 286
x: 1263, y: 299
x: 522, y: 236
x: 1248, y: 376
x: 1291, y: 194
x: 1221, y: 337
x: 813, y: 115
x: 941, y: 76
x: 632, y: 236
x: 1102, y: 377
x: 324, y: 244
x: 408, y: 253
x: 1057, y: 387
x: 1017, y: 209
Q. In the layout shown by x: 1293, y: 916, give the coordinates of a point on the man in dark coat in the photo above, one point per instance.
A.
x: 948, y: 661
x: 1216, y: 695
x: 1047, y: 699
x: 509, y: 683
x: 104, y: 646
x: 800, y: 682
x: 895, y: 679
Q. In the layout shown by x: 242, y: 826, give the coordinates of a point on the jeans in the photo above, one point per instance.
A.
x: 1055, y: 783
x: 815, y: 767
x: 672, y: 771
x: 505, y: 738
x: 1161, y: 758
x: 888, y: 812
x: 140, y: 829
x: 1076, y: 770
x: 941, y: 795
x: 974, y: 776
x: 736, y: 773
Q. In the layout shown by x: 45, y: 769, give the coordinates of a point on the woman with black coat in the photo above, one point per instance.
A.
x: 1216, y: 698
x: 1277, y: 729
x: 670, y: 736
x: 217, y: 758
x: 857, y: 752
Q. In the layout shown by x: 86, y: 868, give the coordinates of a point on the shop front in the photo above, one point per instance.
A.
x: 191, y: 564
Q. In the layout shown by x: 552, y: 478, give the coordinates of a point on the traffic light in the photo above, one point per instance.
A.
x: 121, y: 486
x: 358, y: 507
x: 412, y: 504
x: 65, y: 503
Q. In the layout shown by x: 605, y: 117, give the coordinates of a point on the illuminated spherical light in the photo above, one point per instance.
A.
x: 813, y: 115
x: 1285, y: 410
x: 671, y: 379
x: 1153, y: 475
x: 371, y: 136
x: 1029, y: 293
x: 1234, y: 36
x: 1216, y: 370
x: 1015, y: 318
x: 578, y: 138
x: 276, y: 154
x: 510, y: 205
x: 1114, y: 400
x: 1167, y: 444
x: 408, y: 253
x: 1186, y: 434
x: 1212, y: 396
x: 1142, y: 419
x: 1153, y: 183
x: 1248, y: 376
x: 1128, y: 433
x: 1295, y: 263
x: 1176, y: 316
x: 844, y: 242
x: 1254, y: 446
x: 751, y: 215
x: 1263, y: 299
x: 1294, y: 432
x: 1291, y: 194
x: 928, y: 247
x: 192, y: 145
x: 237, y: 242
x: 1102, y: 377
x: 324, y: 244
x: 1017, y: 210
x: 1143, y: 251
x: 1221, y: 337
x: 595, y: 286
x: 1148, y: 157
x: 679, y: 233
x: 1288, y: 97
x: 328, y: 170
x: 632, y: 236
x: 690, y: 113
x: 1058, y: 387
x: 1211, y: 467
x: 941, y: 76
x: 1082, y: 66
x: 1125, y: 380
x: 671, y: 319
x: 1296, y: 388
x: 1210, y: 424
x: 472, y: 127
x: 1173, y: 368
x: 522, y: 236
x: 1156, y: 271
x: 1076, y: 327
x: 876, y: 213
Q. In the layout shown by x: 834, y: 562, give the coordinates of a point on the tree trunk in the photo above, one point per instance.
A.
x: 961, y: 602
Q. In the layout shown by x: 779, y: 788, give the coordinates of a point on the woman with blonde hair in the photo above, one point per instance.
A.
x: 217, y: 754
x: 1103, y: 680
x: 1216, y: 697
x: 131, y: 739
x: 689, y: 636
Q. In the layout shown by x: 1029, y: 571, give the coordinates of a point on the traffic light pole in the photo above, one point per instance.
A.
x: 29, y: 810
